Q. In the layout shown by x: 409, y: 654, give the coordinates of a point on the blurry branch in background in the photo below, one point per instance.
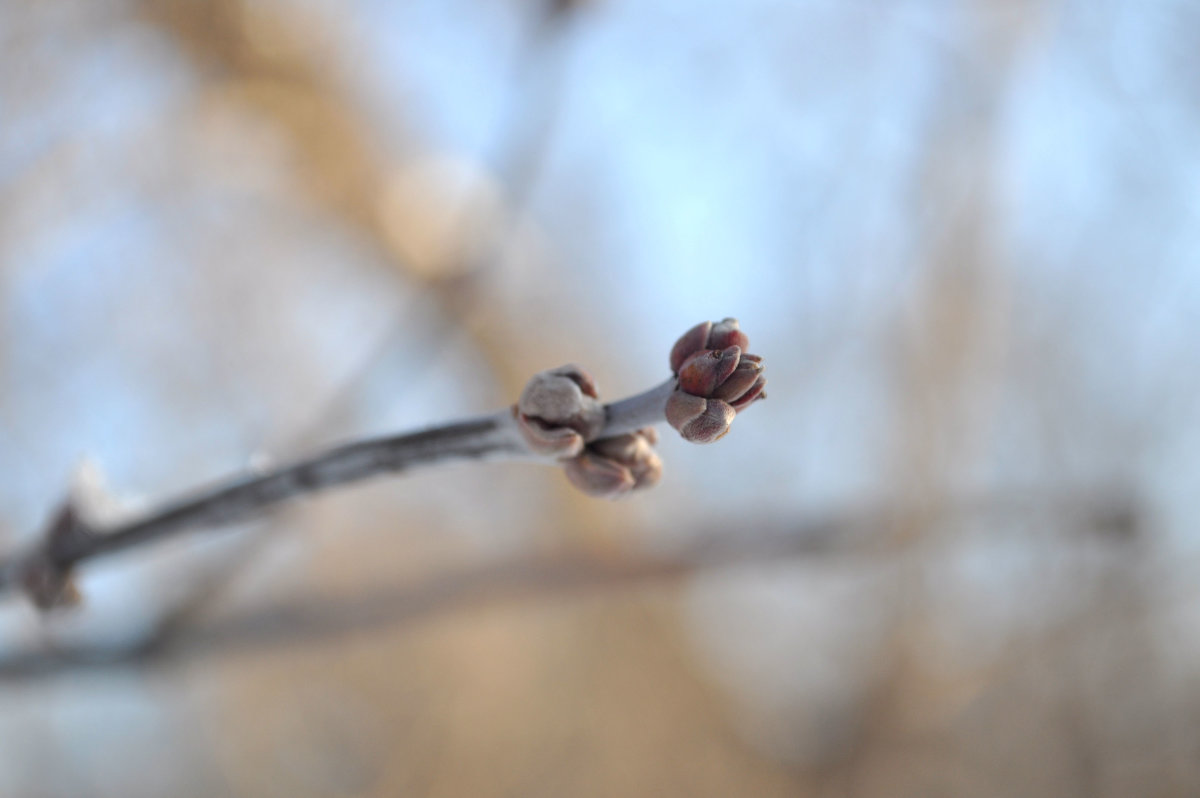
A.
x: 267, y: 59
x: 950, y: 349
x: 271, y: 61
x: 859, y: 535
x: 606, y: 451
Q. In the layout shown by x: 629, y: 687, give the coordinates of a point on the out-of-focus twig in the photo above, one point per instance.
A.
x: 565, y: 572
x: 533, y: 577
x: 214, y: 35
x: 240, y: 44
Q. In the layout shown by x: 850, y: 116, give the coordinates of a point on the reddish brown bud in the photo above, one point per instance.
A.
x: 707, y: 335
x: 717, y: 379
x: 698, y: 419
x: 612, y: 467
x: 707, y: 369
x: 636, y: 452
x: 755, y: 392
x: 559, y: 411
x: 691, y: 341
x: 740, y: 381
x: 599, y: 476
x: 727, y: 375
x: 725, y: 334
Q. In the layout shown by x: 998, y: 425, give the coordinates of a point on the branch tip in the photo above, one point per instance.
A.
x: 606, y: 451
x: 45, y: 574
x: 716, y: 379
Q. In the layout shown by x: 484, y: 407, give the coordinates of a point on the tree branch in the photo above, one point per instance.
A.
x: 485, y: 438
x: 1102, y: 515
x: 606, y: 451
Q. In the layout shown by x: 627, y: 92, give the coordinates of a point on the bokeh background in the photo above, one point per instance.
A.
x: 954, y: 554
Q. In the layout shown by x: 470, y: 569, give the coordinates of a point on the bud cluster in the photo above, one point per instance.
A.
x: 560, y: 414
x: 717, y: 379
x: 612, y: 467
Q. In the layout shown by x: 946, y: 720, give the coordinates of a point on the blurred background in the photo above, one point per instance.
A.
x: 954, y: 554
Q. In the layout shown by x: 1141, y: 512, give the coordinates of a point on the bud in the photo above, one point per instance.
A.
x: 612, y: 467
x: 559, y: 411
x: 717, y: 380
x: 707, y: 335
x: 708, y: 369
x: 744, y: 384
x: 698, y: 419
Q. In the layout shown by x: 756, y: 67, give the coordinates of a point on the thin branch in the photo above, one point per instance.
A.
x: 606, y: 451
x: 851, y: 537
x: 491, y: 437
x: 643, y: 410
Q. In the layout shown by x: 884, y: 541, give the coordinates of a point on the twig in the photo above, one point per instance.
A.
x: 606, y: 450
x: 852, y: 537
x: 486, y: 438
